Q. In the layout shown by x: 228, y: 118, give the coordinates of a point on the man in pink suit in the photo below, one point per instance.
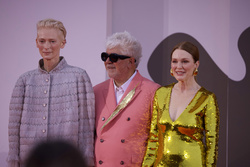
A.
x: 123, y: 105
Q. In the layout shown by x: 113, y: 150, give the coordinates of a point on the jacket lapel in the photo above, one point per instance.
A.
x: 136, y: 82
x: 111, y: 101
x: 109, y: 96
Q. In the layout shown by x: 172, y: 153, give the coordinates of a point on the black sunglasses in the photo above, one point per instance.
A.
x: 113, y: 57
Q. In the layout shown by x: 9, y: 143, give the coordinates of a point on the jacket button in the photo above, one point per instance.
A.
x: 128, y: 119
x: 123, y: 140
x: 100, y: 162
x: 122, y: 162
x: 101, y: 140
x: 103, y: 118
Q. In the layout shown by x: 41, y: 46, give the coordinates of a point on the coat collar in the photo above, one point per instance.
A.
x: 59, y: 66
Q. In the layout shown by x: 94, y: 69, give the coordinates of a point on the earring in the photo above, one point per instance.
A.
x: 171, y: 72
x: 195, y: 72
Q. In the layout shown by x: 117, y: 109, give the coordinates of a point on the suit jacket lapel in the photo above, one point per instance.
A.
x: 111, y: 101
x: 109, y: 95
x: 136, y: 82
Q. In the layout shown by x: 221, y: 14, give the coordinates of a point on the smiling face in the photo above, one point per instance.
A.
x: 49, y: 41
x: 121, y: 70
x: 183, y: 65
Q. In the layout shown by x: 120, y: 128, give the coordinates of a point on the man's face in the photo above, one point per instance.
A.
x: 120, y: 71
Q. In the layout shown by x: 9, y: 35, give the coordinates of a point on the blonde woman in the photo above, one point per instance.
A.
x: 55, y: 101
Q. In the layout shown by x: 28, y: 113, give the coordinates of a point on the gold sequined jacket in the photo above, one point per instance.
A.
x: 189, y: 141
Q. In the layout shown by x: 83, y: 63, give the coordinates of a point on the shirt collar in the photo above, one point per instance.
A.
x: 126, y: 84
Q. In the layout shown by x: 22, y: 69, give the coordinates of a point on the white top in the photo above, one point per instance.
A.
x: 119, y: 91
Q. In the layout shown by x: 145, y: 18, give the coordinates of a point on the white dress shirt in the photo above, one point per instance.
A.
x: 119, y: 91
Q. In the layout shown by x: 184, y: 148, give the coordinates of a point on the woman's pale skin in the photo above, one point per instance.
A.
x: 183, y: 67
x: 50, y: 41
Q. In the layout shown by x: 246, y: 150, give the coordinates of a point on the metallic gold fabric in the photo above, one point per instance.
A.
x: 181, y: 143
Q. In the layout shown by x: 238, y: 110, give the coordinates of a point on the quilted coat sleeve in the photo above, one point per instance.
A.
x: 15, y: 114
x: 86, y: 118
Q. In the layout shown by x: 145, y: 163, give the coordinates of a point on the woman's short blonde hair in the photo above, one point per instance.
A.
x: 51, y: 23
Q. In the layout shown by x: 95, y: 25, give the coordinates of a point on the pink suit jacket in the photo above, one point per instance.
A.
x: 122, y: 142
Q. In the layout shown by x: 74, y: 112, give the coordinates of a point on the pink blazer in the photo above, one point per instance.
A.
x: 122, y: 142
